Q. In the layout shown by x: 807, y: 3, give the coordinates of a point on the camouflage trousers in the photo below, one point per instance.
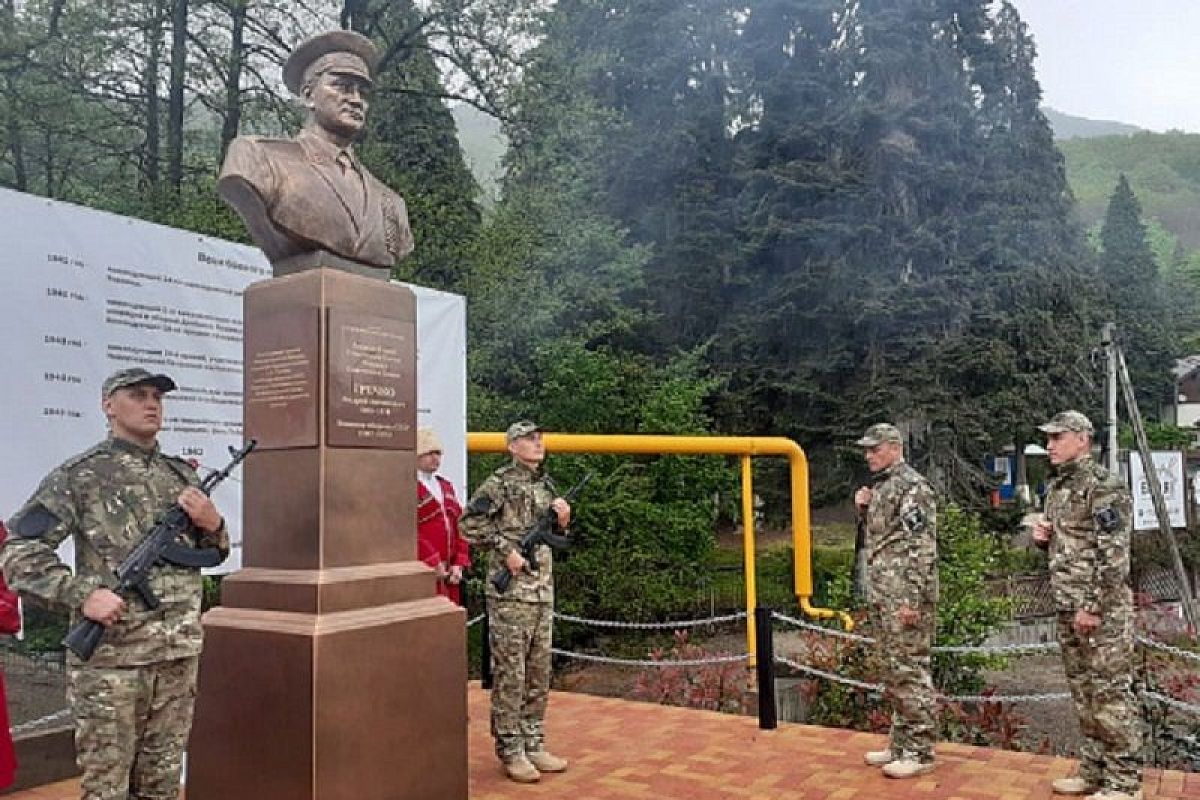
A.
x: 1100, y: 673
x: 907, y: 680
x: 131, y: 726
x: 520, y: 642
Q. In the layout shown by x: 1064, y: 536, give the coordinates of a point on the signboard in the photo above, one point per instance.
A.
x: 1169, y: 466
x: 87, y: 293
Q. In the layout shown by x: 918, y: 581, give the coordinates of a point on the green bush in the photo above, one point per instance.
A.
x: 645, y: 526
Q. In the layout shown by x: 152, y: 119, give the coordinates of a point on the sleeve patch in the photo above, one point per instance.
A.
x: 913, y: 519
x: 34, y: 523
x: 480, y: 505
x: 1108, y: 519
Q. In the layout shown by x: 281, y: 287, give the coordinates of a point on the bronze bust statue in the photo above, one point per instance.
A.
x: 308, y: 202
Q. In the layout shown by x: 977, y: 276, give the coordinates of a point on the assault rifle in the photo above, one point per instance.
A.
x: 159, y: 546
x: 858, y: 573
x: 545, y: 530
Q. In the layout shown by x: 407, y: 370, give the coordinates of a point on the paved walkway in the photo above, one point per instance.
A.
x: 621, y: 750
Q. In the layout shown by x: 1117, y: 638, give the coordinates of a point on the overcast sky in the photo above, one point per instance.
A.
x: 1134, y: 61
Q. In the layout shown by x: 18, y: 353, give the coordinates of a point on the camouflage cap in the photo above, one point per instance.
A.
x: 134, y: 376
x: 878, y: 434
x: 518, y: 429
x: 1065, y: 421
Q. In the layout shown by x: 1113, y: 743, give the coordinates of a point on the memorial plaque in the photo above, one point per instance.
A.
x: 282, y: 370
x: 372, y: 382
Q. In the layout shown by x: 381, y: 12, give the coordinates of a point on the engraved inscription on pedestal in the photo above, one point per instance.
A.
x: 372, y: 382
x: 282, y: 368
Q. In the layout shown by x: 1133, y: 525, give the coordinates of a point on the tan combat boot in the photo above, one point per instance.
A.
x: 520, y: 770
x: 907, y: 767
x: 1072, y: 785
x: 544, y: 761
x: 877, y: 758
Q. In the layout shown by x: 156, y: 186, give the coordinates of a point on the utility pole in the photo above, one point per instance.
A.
x: 1108, y: 339
x: 1156, y: 493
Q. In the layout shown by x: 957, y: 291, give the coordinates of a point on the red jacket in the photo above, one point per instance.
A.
x: 438, y: 539
x: 10, y: 622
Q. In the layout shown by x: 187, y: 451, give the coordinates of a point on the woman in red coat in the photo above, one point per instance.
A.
x: 10, y: 622
x: 438, y: 541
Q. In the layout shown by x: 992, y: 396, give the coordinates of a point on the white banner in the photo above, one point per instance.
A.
x: 87, y: 293
x: 1169, y: 466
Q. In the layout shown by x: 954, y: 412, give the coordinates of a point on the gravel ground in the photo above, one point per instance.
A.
x: 33, y: 689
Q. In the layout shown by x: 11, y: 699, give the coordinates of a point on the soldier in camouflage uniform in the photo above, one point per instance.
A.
x: 132, y: 701
x: 900, y: 515
x: 520, y: 620
x: 1087, y: 528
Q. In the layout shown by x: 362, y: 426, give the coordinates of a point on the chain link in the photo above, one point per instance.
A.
x: 17, y: 730
x: 998, y: 649
x: 1178, y: 705
x: 650, y: 626
x: 874, y: 688
x: 1175, y: 651
x: 1043, y: 697
x: 630, y: 662
x: 799, y: 623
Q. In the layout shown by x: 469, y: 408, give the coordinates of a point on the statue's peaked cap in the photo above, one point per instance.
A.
x: 323, y: 44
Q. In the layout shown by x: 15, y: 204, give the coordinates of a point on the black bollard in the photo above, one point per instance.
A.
x: 485, y: 652
x: 765, y: 643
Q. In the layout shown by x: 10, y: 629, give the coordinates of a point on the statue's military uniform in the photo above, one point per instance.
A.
x: 521, y: 620
x: 133, y: 699
x: 901, y: 545
x: 1091, y: 512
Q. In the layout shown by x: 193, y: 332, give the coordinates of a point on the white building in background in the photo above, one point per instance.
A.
x: 1183, y: 409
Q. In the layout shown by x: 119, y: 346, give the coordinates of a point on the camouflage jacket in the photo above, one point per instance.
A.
x: 105, y: 500
x: 1092, y: 512
x: 901, y: 540
x: 500, y: 512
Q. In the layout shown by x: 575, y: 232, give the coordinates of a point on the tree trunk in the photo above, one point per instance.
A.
x: 154, y: 38
x: 179, y: 19
x: 16, y: 144
x: 233, y: 78
x: 48, y: 143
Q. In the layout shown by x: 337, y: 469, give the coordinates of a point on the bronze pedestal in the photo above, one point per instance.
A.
x: 332, y: 669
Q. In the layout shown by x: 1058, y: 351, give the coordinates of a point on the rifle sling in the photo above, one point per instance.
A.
x: 191, y: 557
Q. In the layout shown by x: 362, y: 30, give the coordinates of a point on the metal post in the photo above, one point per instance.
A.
x: 485, y: 652
x: 767, y: 717
x: 1108, y: 339
x: 1156, y: 492
x: 748, y: 556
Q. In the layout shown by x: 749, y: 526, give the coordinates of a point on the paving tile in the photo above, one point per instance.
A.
x: 623, y: 750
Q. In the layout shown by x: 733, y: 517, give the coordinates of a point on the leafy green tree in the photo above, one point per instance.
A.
x: 1135, y: 298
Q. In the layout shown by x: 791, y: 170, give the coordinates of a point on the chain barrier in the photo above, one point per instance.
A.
x: 632, y: 662
x: 835, y: 633
x: 17, y: 730
x: 1041, y: 697
x: 1171, y: 702
x: 1175, y: 651
x: 650, y: 626
x: 1000, y: 649
x: 873, y: 688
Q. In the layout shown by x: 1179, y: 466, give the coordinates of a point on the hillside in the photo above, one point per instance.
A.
x: 1163, y: 169
x: 1067, y: 126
